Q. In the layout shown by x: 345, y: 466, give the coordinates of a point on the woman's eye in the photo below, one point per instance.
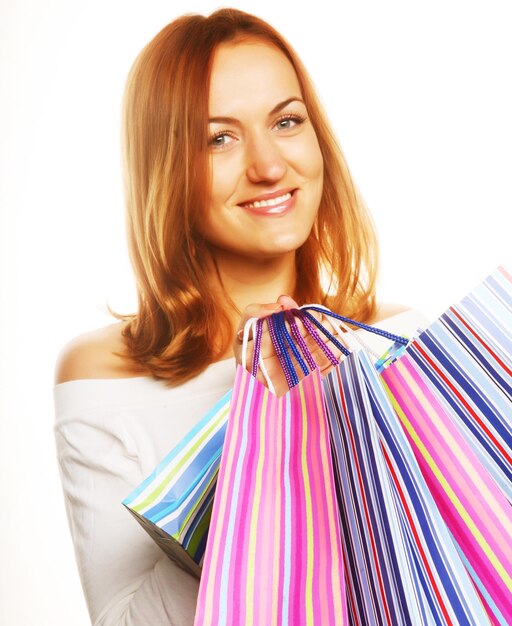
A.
x: 289, y: 121
x: 221, y: 140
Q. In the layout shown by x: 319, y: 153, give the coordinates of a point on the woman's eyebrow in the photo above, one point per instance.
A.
x: 232, y: 120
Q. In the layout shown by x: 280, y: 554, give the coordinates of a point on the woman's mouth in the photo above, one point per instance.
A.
x: 276, y: 203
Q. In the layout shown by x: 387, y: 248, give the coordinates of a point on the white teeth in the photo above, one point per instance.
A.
x: 272, y: 202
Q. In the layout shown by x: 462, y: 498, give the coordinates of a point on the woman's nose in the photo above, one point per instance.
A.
x: 265, y: 162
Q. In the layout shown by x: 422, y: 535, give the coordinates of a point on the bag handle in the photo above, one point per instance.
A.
x: 372, y: 329
x: 255, y: 325
x: 285, y: 343
x: 343, y: 329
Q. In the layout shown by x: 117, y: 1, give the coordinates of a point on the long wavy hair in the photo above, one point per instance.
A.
x: 181, y: 326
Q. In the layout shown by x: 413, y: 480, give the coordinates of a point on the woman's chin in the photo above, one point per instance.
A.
x: 258, y: 247
x: 275, y: 249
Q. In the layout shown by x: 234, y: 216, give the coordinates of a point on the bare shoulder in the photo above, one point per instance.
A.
x: 386, y: 310
x: 96, y: 354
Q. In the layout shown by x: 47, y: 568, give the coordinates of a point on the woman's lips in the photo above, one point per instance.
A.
x: 272, y: 204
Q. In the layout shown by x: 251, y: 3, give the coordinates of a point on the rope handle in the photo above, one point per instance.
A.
x: 372, y: 329
x: 290, y: 342
x: 343, y: 329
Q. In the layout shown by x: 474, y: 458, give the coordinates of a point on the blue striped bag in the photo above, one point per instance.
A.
x: 415, y: 554
x: 174, y: 503
x: 452, y: 390
x: 467, y: 356
x: 402, y: 566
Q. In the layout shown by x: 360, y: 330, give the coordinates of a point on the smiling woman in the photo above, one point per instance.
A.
x: 266, y: 165
x: 220, y: 116
x: 236, y: 193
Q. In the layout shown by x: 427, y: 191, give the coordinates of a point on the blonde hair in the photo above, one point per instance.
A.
x: 181, y: 327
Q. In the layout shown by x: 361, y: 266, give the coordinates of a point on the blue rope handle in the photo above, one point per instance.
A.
x: 301, y: 342
x: 307, y: 315
x: 257, y: 347
x: 283, y: 331
x: 305, y: 319
x: 282, y: 353
x: 376, y: 331
x: 284, y: 343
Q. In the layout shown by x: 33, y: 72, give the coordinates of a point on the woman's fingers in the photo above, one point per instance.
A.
x: 321, y: 349
x: 267, y: 348
x: 260, y: 311
x: 287, y: 302
x: 264, y: 310
x: 324, y: 354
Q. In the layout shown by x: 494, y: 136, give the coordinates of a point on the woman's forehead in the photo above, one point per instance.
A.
x: 248, y: 73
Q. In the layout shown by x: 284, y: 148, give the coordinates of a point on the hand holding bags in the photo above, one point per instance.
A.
x: 420, y: 546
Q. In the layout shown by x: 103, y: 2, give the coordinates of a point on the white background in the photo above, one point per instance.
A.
x: 420, y: 96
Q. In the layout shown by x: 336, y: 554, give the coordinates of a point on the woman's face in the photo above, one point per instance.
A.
x: 265, y: 162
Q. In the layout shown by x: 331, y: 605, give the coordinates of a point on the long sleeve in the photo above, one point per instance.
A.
x: 110, y: 434
x: 126, y: 578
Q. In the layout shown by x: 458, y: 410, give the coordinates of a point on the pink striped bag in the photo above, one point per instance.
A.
x: 474, y: 508
x: 451, y: 390
x: 274, y: 553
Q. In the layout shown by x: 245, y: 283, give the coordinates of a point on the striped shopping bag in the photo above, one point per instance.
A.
x: 452, y: 391
x: 402, y: 566
x: 421, y: 446
x: 274, y: 553
x: 174, y: 503
x: 422, y: 463
x: 466, y: 356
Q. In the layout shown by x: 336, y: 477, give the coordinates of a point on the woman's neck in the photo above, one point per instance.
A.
x: 249, y: 281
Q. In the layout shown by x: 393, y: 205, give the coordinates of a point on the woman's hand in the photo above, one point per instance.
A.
x: 268, y: 353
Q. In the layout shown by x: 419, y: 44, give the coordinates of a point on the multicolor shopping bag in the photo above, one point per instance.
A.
x: 452, y: 392
x: 422, y: 536
x: 174, y: 503
x: 415, y: 552
x: 466, y: 355
x: 402, y: 566
x: 274, y: 553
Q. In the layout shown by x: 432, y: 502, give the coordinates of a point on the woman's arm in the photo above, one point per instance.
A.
x: 126, y: 578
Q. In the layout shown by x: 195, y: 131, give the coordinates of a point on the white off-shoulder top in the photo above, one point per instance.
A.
x: 110, y: 434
